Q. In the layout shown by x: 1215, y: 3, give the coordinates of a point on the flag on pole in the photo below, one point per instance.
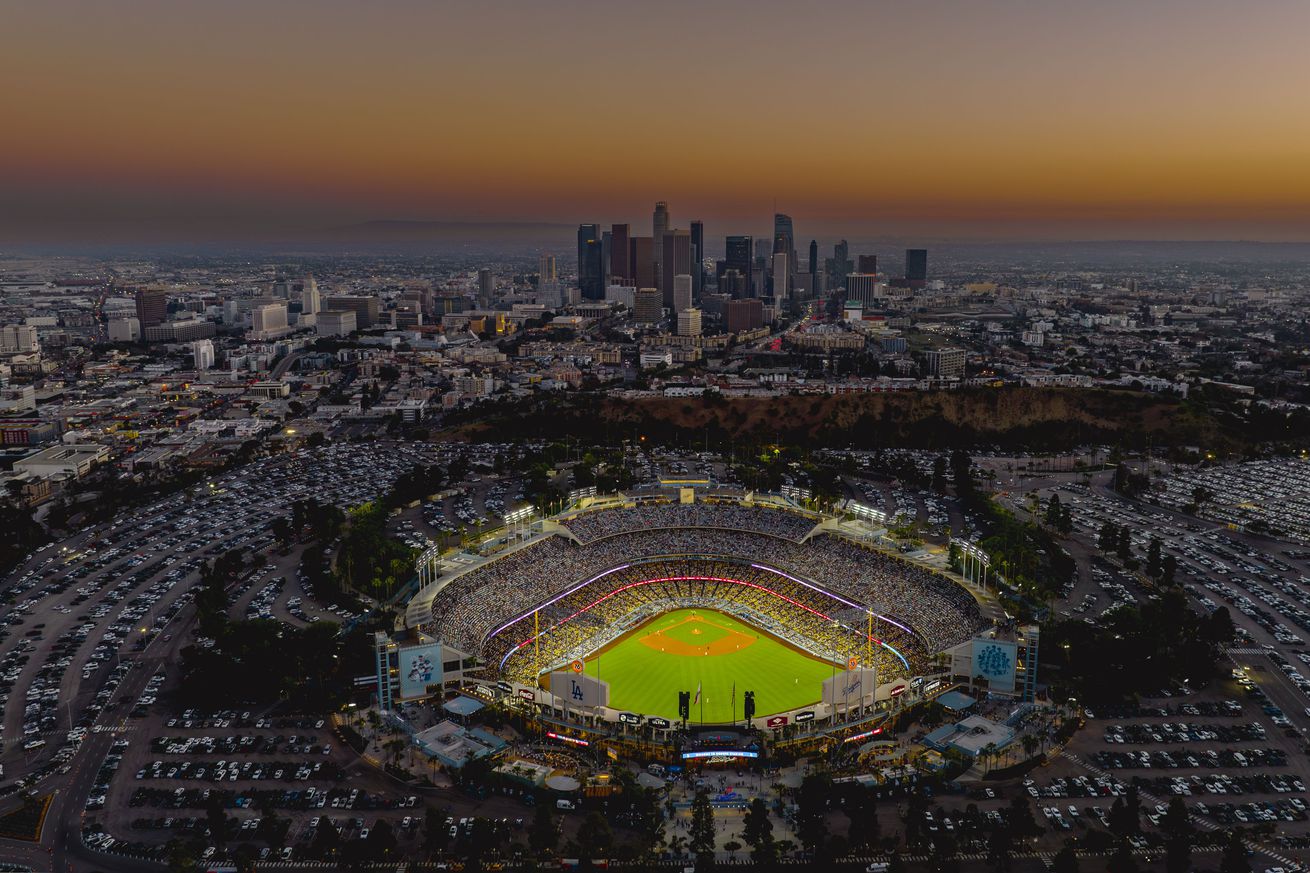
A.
x: 698, y: 687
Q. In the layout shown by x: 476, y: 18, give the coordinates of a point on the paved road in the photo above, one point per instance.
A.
x: 285, y: 364
x: 61, y: 847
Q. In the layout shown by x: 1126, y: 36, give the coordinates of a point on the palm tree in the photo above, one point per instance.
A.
x: 1030, y: 744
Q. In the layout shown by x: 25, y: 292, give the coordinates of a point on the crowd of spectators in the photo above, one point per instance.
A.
x: 473, y: 605
x: 813, y: 620
x: 600, y: 524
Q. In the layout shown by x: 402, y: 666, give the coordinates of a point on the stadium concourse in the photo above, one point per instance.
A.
x: 587, y: 579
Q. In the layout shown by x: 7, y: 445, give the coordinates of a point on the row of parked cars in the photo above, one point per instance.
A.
x: 1210, y: 759
x: 1179, y: 732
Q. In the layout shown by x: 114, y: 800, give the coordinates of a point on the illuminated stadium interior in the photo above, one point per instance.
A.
x: 576, y: 591
x: 589, y: 616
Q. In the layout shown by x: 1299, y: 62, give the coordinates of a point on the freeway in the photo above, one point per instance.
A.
x: 284, y: 365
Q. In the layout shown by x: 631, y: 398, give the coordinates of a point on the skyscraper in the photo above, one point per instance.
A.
x: 620, y: 253
x: 734, y: 284
x: 659, y: 227
x: 486, y: 288
x: 739, y: 258
x: 839, y: 265
x: 546, y: 274
x: 814, y: 266
x: 781, y: 276
x: 591, y: 270
x: 682, y: 292
x: 675, y: 261
x: 697, y: 257
x: 660, y: 220
x: 309, y: 302
x: 784, y: 239
x: 649, y: 306
x: 916, y: 267
x: 151, y: 306
x: 641, y: 261
x: 867, y: 264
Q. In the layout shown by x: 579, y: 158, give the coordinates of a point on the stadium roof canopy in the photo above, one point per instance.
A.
x: 461, y: 706
x: 956, y: 701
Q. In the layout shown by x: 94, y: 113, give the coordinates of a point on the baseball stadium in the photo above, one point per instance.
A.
x: 713, y: 597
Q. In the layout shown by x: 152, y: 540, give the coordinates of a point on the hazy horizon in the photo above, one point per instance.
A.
x: 938, y: 119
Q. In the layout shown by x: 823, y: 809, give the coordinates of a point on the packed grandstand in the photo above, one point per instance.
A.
x: 569, y: 591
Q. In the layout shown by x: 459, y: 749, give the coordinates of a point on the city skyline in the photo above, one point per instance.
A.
x: 908, y: 402
x: 942, y: 120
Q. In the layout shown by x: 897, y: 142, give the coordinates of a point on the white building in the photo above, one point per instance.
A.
x: 682, y: 292
x: 475, y: 386
x: 336, y: 323
x: 19, y: 339
x: 18, y: 398
x: 269, y: 320
x: 946, y: 363
x: 124, y: 330
x: 202, y: 352
x: 74, y: 460
x: 689, y: 322
x: 309, y: 301
x: 621, y: 294
x: 650, y: 360
x: 1033, y: 338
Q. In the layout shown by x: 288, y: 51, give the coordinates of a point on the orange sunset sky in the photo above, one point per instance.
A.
x: 1166, y: 119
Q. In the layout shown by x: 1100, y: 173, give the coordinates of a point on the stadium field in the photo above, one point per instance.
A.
x: 691, y: 648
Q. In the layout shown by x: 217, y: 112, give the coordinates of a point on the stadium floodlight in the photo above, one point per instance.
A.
x: 859, y: 510
x: 521, y: 514
x: 973, y: 551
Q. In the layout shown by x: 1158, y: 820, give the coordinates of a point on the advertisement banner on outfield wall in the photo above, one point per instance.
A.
x: 578, y: 689
x: 851, y: 687
x: 420, y: 666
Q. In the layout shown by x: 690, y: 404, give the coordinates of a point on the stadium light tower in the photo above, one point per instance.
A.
x: 522, y: 514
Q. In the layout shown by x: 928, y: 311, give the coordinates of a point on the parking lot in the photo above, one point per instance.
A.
x: 76, y: 612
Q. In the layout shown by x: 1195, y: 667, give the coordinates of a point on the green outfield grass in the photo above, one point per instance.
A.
x: 680, y: 650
